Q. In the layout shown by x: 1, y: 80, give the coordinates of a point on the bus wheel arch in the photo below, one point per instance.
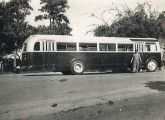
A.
x: 151, y: 65
x: 77, y: 67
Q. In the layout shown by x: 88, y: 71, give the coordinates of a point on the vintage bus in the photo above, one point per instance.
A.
x: 75, y: 55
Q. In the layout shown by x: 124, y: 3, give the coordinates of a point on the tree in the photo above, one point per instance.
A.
x: 14, y: 29
x: 62, y: 29
x: 54, y: 11
x: 140, y: 22
x: 2, y: 15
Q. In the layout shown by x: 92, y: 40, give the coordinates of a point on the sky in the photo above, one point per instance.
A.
x: 80, y: 11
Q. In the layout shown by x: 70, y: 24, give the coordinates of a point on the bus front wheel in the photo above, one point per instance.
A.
x: 151, y: 66
x: 77, y: 67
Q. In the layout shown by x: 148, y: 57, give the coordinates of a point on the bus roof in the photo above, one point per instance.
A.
x: 89, y: 39
x: 144, y: 39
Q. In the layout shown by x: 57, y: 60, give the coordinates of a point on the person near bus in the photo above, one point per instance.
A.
x: 136, y: 60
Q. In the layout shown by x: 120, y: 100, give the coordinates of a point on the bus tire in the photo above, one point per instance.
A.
x: 17, y: 71
x: 77, y: 67
x: 151, y: 65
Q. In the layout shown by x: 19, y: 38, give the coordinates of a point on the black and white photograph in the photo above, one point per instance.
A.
x: 82, y: 59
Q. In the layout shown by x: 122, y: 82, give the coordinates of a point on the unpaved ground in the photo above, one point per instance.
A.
x: 42, y: 95
x: 150, y: 107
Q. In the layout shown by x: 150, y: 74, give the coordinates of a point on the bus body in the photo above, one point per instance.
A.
x: 69, y: 54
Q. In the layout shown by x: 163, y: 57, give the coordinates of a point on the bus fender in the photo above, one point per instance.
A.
x: 151, y: 59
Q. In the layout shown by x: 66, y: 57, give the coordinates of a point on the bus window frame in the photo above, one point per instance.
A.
x: 133, y: 47
x: 24, y: 47
x: 107, y: 50
x: 66, y: 43
x: 47, y: 45
x: 79, y: 48
x: 34, y: 47
x: 150, y: 43
x: 43, y: 46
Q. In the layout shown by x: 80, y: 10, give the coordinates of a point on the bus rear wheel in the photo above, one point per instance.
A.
x: 77, y: 67
x: 151, y: 66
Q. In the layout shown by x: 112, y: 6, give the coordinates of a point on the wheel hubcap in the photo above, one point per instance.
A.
x: 78, y: 68
x: 152, y: 65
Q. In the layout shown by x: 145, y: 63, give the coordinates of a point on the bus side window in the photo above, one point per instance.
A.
x: 92, y: 47
x: 83, y: 47
x: 25, y: 47
x: 52, y: 46
x: 46, y: 46
x: 61, y: 47
x: 103, y: 47
x: 112, y: 47
x: 129, y: 47
x: 140, y: 48
x: 71, y: 47
x: 37, y: 46
x: 66, y: 47
x: 107, y: 47
x: 49, y: 46
x: 87, y: 47
x: 43, y: 46
x: 125, y: 47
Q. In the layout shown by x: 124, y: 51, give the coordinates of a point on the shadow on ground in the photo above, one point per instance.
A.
x: 86, y: 73
x: 157, y: 85
x: 43, y: 75
x: 90, y: 73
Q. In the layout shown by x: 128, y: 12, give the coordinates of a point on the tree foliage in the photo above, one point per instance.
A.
x: 13, y: 28
x: 54, y: 12
x: 140, y: 22
x: 62, y: 29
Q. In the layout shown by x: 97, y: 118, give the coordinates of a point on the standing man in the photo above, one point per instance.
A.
x: 136, y: 59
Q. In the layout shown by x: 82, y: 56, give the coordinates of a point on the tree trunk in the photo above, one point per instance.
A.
x: 50, y: 22
x: 15, y: 60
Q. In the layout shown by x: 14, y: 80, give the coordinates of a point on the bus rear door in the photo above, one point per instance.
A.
x: 48, y: 58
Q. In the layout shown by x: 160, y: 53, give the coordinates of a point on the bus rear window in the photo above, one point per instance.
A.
x: 88, y: 47
x: 125, y: 47
x: 37, y: 46
x: 66, y: 46
x: 25, y: 47
x: 107, y: 47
